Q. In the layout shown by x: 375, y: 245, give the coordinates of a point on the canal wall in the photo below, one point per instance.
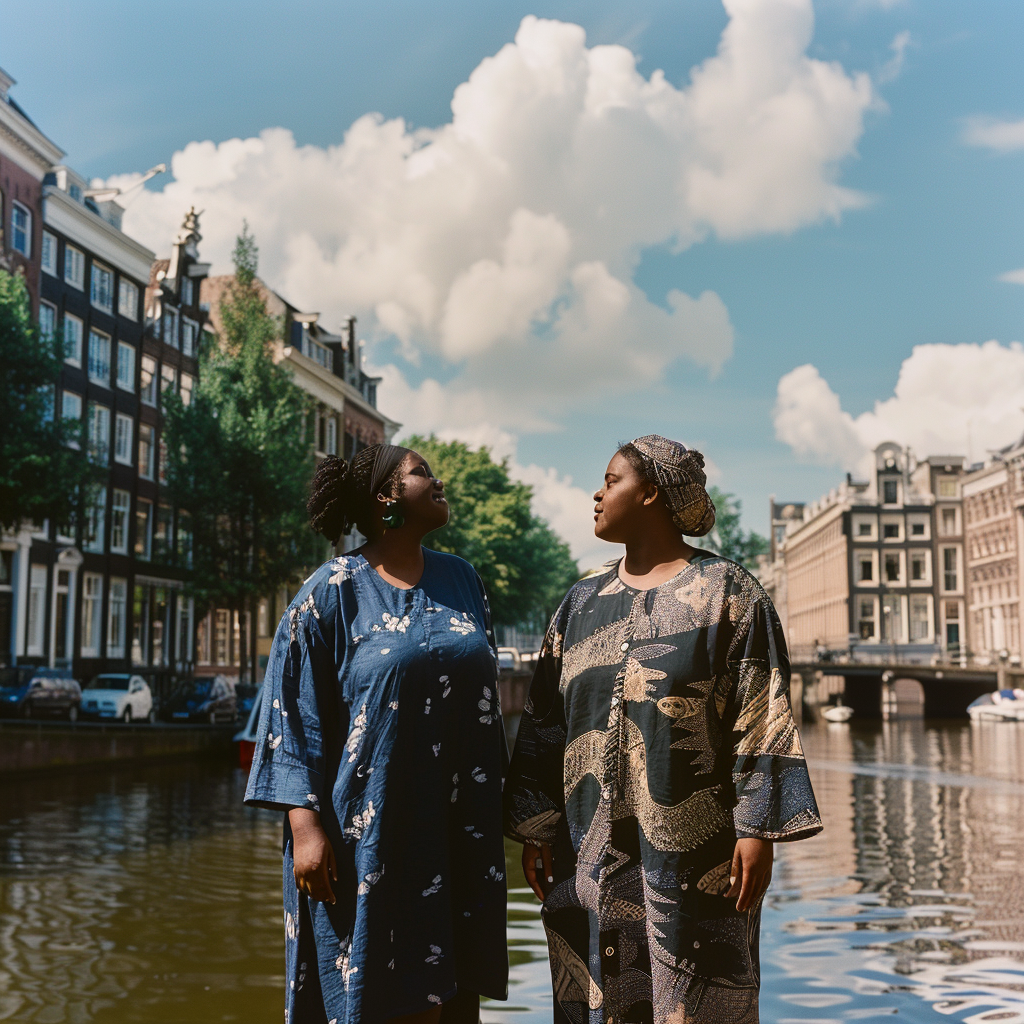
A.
x: 59, y: 746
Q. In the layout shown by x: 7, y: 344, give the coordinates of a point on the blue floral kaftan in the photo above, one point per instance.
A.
x: 380, y: 710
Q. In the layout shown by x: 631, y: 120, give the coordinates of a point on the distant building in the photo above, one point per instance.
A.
x: 993, y: 500
x: 877, y: 567
x: 328, y: 367
x: 783, y: 516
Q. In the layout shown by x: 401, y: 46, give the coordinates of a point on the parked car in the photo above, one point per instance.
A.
x: 32, y: 692
x: 203, y: 700
x: 118, y: 695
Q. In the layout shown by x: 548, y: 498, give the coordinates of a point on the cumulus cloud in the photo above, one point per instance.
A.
x: 1013, y: 276
x: 948, y: 400
x: 504, y: 242
x: 992, y: 133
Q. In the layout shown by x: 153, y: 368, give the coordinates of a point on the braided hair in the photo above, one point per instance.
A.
x: 342, y: 495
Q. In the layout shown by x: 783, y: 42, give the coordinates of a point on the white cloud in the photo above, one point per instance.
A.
x: 948, y: 400
x: 1013, y: 276
x: 891, y: 69
x: 505, y: 241
x: 992, y: 133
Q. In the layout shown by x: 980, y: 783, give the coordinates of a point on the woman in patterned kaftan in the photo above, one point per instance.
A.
x: 656, y: 763
x: 381, y: 737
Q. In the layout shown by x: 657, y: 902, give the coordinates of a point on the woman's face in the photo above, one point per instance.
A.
x: 619, y: 504
x: 421, y: 494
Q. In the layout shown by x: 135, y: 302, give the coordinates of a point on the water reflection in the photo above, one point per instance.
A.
x: 153, y: 896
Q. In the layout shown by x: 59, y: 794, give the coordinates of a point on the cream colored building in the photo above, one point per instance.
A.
x: 994, y: 546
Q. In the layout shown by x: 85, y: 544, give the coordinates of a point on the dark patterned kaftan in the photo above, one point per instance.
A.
x: 380, y: 710
x: 658, y: 730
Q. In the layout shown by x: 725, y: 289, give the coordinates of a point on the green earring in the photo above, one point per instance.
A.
x: 394, y: 519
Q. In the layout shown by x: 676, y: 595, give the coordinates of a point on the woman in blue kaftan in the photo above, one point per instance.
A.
x: 380, y: 726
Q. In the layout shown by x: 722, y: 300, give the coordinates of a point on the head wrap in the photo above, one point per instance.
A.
x: 678, y: 472
x: 386, y: 459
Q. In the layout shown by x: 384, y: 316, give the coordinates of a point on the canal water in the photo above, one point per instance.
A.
x: 151, y: 895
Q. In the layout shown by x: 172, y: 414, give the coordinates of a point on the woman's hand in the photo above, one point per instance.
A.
x: 315, y: 867
x: 532, y: 857
x: 751, y: 871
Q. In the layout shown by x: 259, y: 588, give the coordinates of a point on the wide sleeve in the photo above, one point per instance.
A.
x: 534, y: 795
x: 774, y: 799
x: 288, y: 763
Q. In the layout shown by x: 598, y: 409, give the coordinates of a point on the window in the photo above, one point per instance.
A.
x: 123, y: 439
x: 125, y: 366
x: 148, y: 380
x: 146, y: 450
x: 917, y: 530
x: 186, y: 291
x: 74, y: 267
x: 332, y: 436
x: 101, y: 292
x: 49, y: 253
x: 71, y: 409
x: 185, y: 612
x: 949, y: 522
x: 920, y: 626
x: 866, y: 623
x: 140, y: 625
x: 161, y: 461
x: 220, y: 636
x: 99, y: 433
x: 947, y: 486
x: 117, y: 607
x: 21, y: 230
x: 890, y: 492
x: 892, y: 568
x: 128, y: 299
x: 120, y: 511
x: 92, y: 608
x: 36, y: 611
x: 919, y: 566
x: 189, y: 336
x: 170, y: 327
x: 143, y: 529
x: 185, y: 386
x: 47, y: 320
x: 99, y: 358
x: 168, y: 378
x: 72, y: 340
x: 863, y: 529
x: 866, y: 570
x: 892, y: 618
x: 184, y: 540
x: 95, y: 521
x: 949, y: 569
x: 891, y: 531
x: 162, y: 533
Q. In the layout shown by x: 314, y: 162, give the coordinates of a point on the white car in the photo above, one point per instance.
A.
x: 118, y: 695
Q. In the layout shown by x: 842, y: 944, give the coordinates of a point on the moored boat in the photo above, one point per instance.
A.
x: 1001, y: 705
x: 838, y: 712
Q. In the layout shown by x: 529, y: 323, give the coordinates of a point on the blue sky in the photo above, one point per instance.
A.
x: 122, y: 87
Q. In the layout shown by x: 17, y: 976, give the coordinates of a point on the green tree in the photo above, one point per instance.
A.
x: 525, y: 566
x: 239, y: 457
x: 41, y: 477
x: 728, y: 538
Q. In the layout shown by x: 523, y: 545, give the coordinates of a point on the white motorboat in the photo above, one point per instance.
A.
x: 1001, y: 705
x: 837, y: 713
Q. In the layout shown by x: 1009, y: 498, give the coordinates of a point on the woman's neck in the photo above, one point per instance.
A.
x: 653, y: 559
x: 397, y: 557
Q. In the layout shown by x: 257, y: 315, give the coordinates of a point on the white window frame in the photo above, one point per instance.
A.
x: 120, y: 521
x: 189, y: 336
x: 901, y: 563
x: 186, y: 391
x: 94, y: 528
x: 871, y: 522
x: 26, y: 228
x: 99, y: 446
x: 168, y: 378
x: 128, y: 299
x: 923, y: 520
x: 69, y: 400
x: 48, y: 253
x: 150, y: 392
x: 940, y: 516
x: 941, y: 568
x: 950, y: 480
x: 170, y: 317
x: 147, y: 467
x: 146, y: 552
x: 926, y: 554
x: 117, y: 616
x: 332, y: 435
x: 124, y: 438
x: 92, y: 614
x: 74, y: 267
x: 872, y: 600
x: 891, y: 520
x: 99, y: 371
x: 47, y: 312
x: 35, y: 626
x: 929, y: 635
x: 126, y: 363
x: 866, y: 556
x: 101, y: 300
x: 76, y: 335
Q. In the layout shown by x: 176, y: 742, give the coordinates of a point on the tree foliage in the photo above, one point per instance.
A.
x: 525, y: 566
x: 239, y: 458
x: 41, y: 477
x: 728, y: 538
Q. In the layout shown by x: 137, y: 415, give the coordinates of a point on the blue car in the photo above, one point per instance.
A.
x: 27, y: 691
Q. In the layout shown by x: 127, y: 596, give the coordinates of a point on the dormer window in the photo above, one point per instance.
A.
x: 890, y: 492
x: 186, y: 291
